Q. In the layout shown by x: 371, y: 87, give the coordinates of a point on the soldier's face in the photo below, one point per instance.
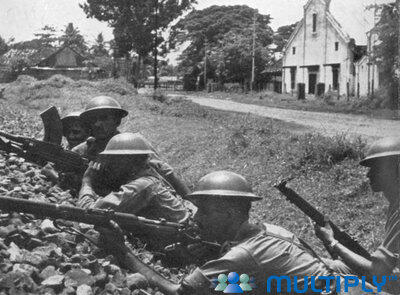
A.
x: 103, y: 124
x: 213, y: 220
x: 383, y: 175
x: 76, y: 134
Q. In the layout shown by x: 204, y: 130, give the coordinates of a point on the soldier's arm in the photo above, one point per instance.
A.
x: 379, y: 265
x: 87, y: 195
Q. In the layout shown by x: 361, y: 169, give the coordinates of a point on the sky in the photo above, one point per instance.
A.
x: 22, y: 18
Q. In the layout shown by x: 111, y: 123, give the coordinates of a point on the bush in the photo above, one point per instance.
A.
x: 326, y: 151
x: 119, y: 86
x: 58, y: 81
x: 330, y: 97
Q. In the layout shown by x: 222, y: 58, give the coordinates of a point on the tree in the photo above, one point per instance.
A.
x: 136, y: 23
x: 3, y: 46
x: 227, y: 31
x: 386, y: 51
x: 47, y: 36
x: 99, y: 49
x: 73, y: 38
x: 282, y: 35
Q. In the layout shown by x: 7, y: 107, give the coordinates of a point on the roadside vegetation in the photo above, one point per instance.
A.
x: 196, y: 140
x: 377, y: 106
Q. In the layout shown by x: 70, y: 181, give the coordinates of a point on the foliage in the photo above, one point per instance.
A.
x: 386, y: 51
x: 73, y: 38
x: 3, y: 46
x: 47, y: 36
x: 228, y: 40
x: 282, y: 35
x: 134, y: 23
x: 325, y: 152
x: 99, y: 49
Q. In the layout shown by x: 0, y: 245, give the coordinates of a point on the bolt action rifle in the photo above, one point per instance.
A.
x: 320, y: 219
x: 41, y: 152
x: 164, y: 232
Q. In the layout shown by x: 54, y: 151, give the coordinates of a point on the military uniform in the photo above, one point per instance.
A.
x: 91, y: 150
x: 261, y: 253
x: 144, y: 195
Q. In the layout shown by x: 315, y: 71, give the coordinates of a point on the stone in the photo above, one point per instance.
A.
x: 48, y: 227
x: 84, y: 290
x: 26, y: 269
x: 77, y: 277
x: 47, y: 272
x: 119, y: 279
x: 5, y: 231
x: 125, y: 291
x: 112, y: 269
x: 5, y: 267
x: 68, y: 291
x: 100, y: 279
x: 14, y: 251
x: 136, y: 281
x: 54, y: 281
x: 111, y: 288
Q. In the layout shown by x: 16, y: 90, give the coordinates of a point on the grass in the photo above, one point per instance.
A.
x: 197, y: 140
x: 272, y: 99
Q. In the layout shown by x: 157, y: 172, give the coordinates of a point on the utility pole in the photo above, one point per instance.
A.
x: 155, y: 52
x: 253, y: 54
x: 205, y: 63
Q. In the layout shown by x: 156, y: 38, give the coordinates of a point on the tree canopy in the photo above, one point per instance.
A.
x: 47, y: 36
x: 386, y: 51
x: 72, y: 37
x: 3, y: 46
x: 282, y: 35
x: 99, y: 48
x: 135, y: 23
x: 228, y: 33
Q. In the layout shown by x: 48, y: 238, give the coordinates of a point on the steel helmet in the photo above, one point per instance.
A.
x: 224, y: 183
x: 127, y: 144
x: 383, y: 148
x: 103, y: 103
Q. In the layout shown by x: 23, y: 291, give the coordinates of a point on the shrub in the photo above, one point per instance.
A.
x: 326, y: 151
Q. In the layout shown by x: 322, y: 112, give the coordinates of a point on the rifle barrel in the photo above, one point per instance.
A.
x: 320, y: 219
x: 98, y: 217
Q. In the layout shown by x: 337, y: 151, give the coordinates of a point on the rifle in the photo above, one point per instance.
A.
x: 160, y: 230
x: 41, y: 152
x: 52, y: 125
x: 320, y: 219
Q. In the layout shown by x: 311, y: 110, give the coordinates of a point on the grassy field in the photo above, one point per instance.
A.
x: 272, y: 99
x: 197, y: 140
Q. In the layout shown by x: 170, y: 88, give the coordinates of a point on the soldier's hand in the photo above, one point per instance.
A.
x: 49, y: 171
x: 324, y: 233
x: 91, y: 172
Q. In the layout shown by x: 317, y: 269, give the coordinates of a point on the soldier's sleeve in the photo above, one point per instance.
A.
x: 237, y: 259
x: 131, y: 197
x: 161, y: 166
x: 386, y: 257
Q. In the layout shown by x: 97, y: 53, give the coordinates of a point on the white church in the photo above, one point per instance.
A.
x: 328, y: 55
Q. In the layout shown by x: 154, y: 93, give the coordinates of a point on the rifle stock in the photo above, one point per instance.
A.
x: 320, y: 219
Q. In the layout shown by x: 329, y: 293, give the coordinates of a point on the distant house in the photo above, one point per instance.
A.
x: 326, y: 56
x: 65, y: 61
x: 165, y: 82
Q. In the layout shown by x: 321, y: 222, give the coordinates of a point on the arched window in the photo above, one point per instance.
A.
x: 314, y: 22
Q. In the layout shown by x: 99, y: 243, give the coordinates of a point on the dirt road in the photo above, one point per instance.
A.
x: 325, y: 123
